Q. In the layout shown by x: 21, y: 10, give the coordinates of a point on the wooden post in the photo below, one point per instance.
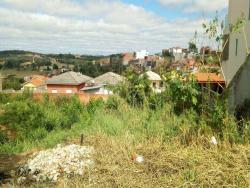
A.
x: 81, y: 142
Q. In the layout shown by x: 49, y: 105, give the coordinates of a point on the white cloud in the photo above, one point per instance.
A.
x: 197, y: 5
x: 83, y: 27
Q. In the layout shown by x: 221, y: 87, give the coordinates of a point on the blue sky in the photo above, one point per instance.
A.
x: 102, y: 26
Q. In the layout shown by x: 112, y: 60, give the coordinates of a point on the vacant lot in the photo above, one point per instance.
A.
x: 177, y: 150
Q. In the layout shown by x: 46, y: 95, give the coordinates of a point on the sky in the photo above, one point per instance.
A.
x: 101, y: 27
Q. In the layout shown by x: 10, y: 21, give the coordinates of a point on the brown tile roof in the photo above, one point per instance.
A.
x: 109, y: 78
x: 128, y: 56
x: 209, y: 78
x: 38, y: 80
x: 69, y: 78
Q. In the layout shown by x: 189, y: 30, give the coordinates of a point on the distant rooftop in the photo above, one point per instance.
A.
x: 109, y: 78
x: 92, y: 87
x: 153, y: 76
x: 209, y: 78
x: 69, y: 78
x: 37, y: 80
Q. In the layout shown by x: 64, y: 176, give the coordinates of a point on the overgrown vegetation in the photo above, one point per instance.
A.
x: 174, y: 141
x: 177, y: 113
x: 12, y: 82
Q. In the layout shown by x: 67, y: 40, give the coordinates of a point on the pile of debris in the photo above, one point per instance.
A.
x: 49, y: 165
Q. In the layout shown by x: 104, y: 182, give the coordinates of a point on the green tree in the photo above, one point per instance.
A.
x: 136, y: 89
x: 11, y: 82
x: 55, y: 67
x: 183, y: 90
x: 192, y: 47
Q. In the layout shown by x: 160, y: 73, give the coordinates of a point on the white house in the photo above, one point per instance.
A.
x: 142, y: 54
x: 99, y: 89
x: 177, y: 53
x: 236, y: 58
x: 156, y: 81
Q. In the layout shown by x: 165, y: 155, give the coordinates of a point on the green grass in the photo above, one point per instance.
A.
x: 176, y: 149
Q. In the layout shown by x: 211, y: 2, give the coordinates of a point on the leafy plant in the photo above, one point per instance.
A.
x: 183, y: 90
x: 112, y: 103
x: 136, y: 89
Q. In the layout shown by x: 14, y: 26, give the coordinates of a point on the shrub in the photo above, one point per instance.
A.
x: 22, y: 115
x: 4, y: 98
x: 183, y: 91
x: 94, y: 104
x: 72, y: 111
x: 37, y: 134
x: 157, y: 100
x: 3, y: 138
x: 135, y: 90
x: 112, y: 103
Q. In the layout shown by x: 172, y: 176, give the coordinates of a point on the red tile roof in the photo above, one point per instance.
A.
x: 128, y: 56
x: 38, y: 80
x: 209, y: 78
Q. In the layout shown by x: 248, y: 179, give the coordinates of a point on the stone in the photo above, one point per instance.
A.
x: 53, y: 163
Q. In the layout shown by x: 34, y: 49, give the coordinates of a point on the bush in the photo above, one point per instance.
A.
x: 112, y: 103
x: 28, y: 116
x: 94, y: 104
x: 183, y: 91
x: 157, y: 100
x: 3, y: 138
x: 72, y: 111
x: 37, y: 134
x: 135, y: 90
x: 4, y: 98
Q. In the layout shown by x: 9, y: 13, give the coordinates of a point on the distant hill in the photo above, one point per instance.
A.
x: 8, y: 53
x: 26, y: 61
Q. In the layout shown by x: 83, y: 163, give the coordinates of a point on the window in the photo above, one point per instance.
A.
x: 154, y: 85
x: 236, y: 47
x: 54, y: 91
x: 68, y: 91
x: 225, y: 52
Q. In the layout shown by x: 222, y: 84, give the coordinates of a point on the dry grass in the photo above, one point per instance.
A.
x: 19, y: 74
x: 165, y: 165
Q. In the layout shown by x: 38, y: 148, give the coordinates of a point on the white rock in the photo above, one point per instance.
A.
x: 50, y: 164
x: 139, y: 159
x: 214, y: 141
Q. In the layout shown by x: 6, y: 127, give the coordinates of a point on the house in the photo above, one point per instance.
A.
x: 126, y: 58
x: 205, y: 50
x: 156, y: 81
x: 102, y: 62
x: 99, y: 89
x: 35, y: 83
x: 69, y: 82
x: 152, y: 61
x: 236, y: 57
x: 141, y: 54
x: 109, y: 79
x: 214, y: 81
x: 102, y: 83
x: 178, y: 53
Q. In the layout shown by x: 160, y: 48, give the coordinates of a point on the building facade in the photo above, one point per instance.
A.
x: 67, y: 83
x: 236, y: 61
x: 142, y: 54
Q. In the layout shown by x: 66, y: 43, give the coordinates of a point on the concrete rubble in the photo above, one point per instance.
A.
x: 51, y: 164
